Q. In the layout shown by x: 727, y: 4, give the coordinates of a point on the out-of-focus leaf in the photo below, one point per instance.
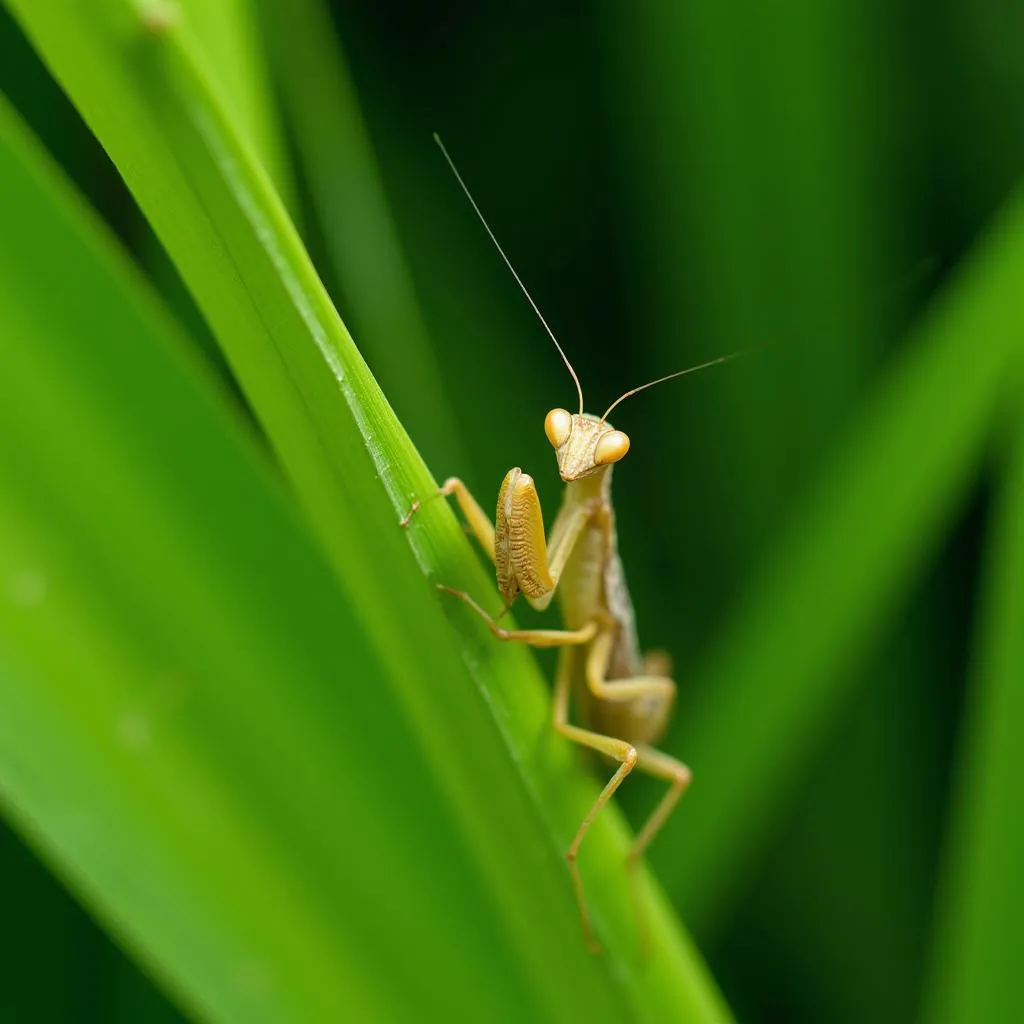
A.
x: 833, y: 580
x: 976, y: 971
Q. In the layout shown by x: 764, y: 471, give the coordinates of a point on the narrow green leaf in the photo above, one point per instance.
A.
x: 834, y: 579
x: 515, y: 793
x: 976, y: 955
x: 226, y: 33
x: 359, y: 234
x: 192, y: 720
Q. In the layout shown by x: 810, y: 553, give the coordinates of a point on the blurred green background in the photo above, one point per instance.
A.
x: 825, y: 533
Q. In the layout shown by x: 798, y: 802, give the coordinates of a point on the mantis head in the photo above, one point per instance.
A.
x: 583, y: 444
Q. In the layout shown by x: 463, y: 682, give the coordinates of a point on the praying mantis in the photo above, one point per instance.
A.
x: 622, y: 697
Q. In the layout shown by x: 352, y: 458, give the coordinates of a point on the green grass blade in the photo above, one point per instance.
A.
x: 353, y: 469
x: 976, y: 966
x: 227, y: 35
x: 224, y: 35
x: 359, y: 234
x: 839, y: 572
x: 192, y: 718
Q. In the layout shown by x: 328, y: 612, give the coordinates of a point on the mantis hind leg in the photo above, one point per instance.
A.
x: 623, y: 752
x: 636, y: 706
x: 661, y: 766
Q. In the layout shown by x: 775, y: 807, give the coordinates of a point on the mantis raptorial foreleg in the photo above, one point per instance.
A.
x: 524, y: 561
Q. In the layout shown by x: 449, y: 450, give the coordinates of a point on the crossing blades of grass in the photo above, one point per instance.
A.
x: 514, y: 793
x: 192, y: 720
x: 360, y: 238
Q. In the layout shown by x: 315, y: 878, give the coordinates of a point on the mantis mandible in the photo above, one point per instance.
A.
x: 622, y: 696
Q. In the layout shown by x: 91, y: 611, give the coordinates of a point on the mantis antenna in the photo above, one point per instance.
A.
x: 671, y: 376
x: 508, y: 263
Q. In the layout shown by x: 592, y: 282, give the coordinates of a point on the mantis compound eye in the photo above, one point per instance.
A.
x: 611, y: 447
x: 558, y: 426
